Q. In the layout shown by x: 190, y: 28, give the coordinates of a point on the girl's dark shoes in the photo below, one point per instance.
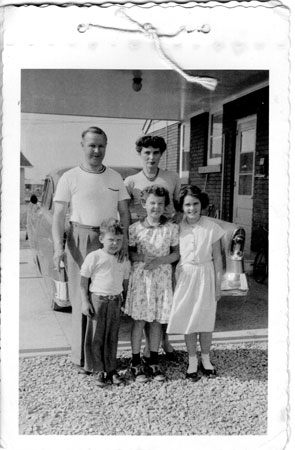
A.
x: 170, y: 354
x: 193, y: 377
x: 211, y: 373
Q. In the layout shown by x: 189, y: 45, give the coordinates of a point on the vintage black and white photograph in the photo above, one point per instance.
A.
x: 146, y: 212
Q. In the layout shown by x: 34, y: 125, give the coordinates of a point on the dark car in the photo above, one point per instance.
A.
x: 234, y: 281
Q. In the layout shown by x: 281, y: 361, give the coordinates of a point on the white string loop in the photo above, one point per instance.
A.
x: 207, y: 82
x: 150, y: 31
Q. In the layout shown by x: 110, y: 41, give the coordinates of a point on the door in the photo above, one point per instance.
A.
x: 244, y: 176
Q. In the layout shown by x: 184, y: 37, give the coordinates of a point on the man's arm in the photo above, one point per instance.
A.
x: 125, y: 220
x: 58, y: 229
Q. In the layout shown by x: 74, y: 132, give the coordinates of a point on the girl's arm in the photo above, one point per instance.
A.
x: 134, y: 256
x: 168, y: 259
x: 125, y: 287
x: 87, y: 308
x: 217, y: 261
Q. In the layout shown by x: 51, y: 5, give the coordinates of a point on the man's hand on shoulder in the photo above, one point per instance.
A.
x: 123, y: 253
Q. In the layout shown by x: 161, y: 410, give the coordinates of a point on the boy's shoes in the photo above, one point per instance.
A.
x: 114, y: 378
x: 211, y: 373
x: 101, y: 381
x: 138, y: 374
x: 156, y: 372
x: 193, y: 377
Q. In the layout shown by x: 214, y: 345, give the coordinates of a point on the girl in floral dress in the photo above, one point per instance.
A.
x: 153, y: 248
x: 198, y: 276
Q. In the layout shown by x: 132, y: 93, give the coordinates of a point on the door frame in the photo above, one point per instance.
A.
x: 243, y: 120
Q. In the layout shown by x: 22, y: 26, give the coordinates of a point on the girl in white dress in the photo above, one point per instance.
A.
x: 198, y: 276
x: 153, y: 248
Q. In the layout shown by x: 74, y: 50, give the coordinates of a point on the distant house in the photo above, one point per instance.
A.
x: 224, y: 150
x: 24, y: 164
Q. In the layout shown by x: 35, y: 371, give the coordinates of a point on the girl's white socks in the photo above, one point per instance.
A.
x: 206, y: 361
x: 192, y: 364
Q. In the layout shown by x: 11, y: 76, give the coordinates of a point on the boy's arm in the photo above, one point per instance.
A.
x: 217, y: 261
x: 87, y: 308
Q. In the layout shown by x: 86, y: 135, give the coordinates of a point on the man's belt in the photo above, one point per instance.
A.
x: 87, y: 227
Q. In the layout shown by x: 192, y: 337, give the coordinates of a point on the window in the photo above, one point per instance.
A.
x: 215, y: 139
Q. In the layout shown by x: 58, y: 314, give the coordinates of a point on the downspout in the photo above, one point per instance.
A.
x: 166, y: 156
x: 222, y: 177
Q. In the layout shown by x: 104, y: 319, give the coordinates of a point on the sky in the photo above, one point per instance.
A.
x: 52, y: 141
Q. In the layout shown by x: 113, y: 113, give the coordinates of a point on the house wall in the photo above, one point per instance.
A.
x: 255, y: 103
x: 209, y: 182
x: 170, y: 158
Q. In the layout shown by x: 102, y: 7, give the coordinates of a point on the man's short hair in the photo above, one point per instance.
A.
x: 110, y: 226
x: 94, y: 130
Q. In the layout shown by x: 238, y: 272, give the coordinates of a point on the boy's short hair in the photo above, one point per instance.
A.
x: 110, y: 226
x: 159, y: 191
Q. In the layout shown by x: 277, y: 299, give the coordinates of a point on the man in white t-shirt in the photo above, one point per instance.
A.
x: 94, y: 193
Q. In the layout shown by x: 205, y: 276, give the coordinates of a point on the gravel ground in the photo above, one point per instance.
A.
x: 53, y: 399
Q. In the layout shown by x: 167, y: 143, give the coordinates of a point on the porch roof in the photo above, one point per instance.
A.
x: 108, y: 93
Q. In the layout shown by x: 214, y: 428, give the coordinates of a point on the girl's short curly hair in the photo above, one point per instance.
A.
x: 150, y: 141
x: 110, y: 226
x: 158, y: 191
x: 194, y: 191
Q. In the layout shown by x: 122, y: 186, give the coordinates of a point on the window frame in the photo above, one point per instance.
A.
x: 211, y: 161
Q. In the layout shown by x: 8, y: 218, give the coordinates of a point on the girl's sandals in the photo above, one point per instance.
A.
x: 156, y: 373
x: 138, y: 374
